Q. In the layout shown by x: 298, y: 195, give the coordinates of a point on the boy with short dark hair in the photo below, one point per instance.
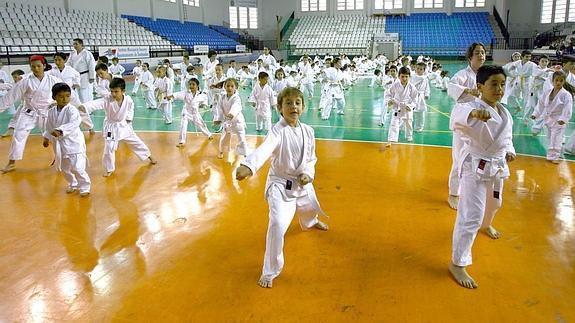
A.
x: 119, y: 110
x: 486, y: 127
x: 63, y: 130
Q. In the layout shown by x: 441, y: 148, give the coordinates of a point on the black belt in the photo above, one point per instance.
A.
x: 86, y: 71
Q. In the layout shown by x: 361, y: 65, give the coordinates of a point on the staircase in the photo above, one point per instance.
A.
x: 285, y: 41
x: 495, y: 27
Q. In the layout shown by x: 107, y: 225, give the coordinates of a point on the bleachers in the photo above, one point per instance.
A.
x: 41, y: 29
x: 186, y: 34
x: 438, y: 34
x: 226, y: 32
x: 323, y: 35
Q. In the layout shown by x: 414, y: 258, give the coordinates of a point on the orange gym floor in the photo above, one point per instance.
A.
x: 182, y: 241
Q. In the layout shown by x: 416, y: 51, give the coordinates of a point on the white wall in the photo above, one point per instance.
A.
x: 524, y: 19
x: 48, y: 3
x: 142, y: 8
x: 96, y: 5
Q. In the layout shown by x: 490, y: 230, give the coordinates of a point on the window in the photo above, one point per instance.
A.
x: 560, y: 10
x: 388, y: 4
x: 193, y: 3
x: 571, y: 11
x: 392, y: 4
x: 243, y: 17
x: 316, y: 5
x: 173, y: 1
x: 557, y: 11
x: 418, y: 4
x: 469, y: 3
x: 546, y: 11
x: 253, y: 18
x: 349, y: 4
x: 233, y: 17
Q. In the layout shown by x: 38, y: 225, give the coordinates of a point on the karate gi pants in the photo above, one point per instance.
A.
x: 74, y: 170
x: 150, y: 99
x: 307, y: 90
x: 476, y: 209
x: 456, y: 146
x: 166, y: 109
x: 134, y: 143
x: 395, y: 125
x: 263, y: 120
x: 281, y: 213
x: 23, y: 126
x: 326, y: 103
x: 197, y: 121
x: 86, y: 93
x: 136, y: 87
x: 226, y: 140
x: 555, y: 136
x: 419, y: 120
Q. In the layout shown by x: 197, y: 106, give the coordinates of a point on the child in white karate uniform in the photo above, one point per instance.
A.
x: 555, y: 109
x: 376, y: 79
x: 289, y: 188
x: 147, y: 82
x: 231, y: 72
x: 164, y: 88
x: 487, y: 127
x: 35, y: 93
x: 102, y: 86
x: 262, y: 98
x: 119, y: 110
x: 215, y: 88
x: 541, y: 75
x: 229, y: 114
x: 193, y: 100
x: 444, y: 81
x: 421, y: 83
x: 116, y: 69
x: 245, y: 77
x: 63, y: 131
x: 332, y: 90
x: 17, y: 76
x: 462, y: 89
x: 402, y: 99
x: 137, y: 72
x: 280, y: 82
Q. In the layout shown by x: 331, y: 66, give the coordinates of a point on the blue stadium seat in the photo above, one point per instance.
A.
x: 444, y: 35
x: 189, y: 33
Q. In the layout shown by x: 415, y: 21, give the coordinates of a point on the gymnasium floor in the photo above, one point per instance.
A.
x: 183, y: 241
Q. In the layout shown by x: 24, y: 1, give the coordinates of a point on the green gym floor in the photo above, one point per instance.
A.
x: 360, y: 122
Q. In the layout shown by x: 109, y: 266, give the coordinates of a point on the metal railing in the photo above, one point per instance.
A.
x: 20, y: 53
x: 512, y: 43
x: 500, y: 23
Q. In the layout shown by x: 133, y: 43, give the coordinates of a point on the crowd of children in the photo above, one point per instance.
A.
x: 58, y: 99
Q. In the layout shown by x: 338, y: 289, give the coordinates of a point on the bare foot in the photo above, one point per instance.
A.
x: 210, y: 137
x: 152, y: 160
x: 9, y: 168
x: 388, y: 144
x: 220, y: 155
x: 84, y: 194
x: 107, y: 174
x: 462, y: 277
x: 265, y: 282
x: 321, y: 226
x: 180, y: 145
x: 70, y: 190
x: 453, y: 201
x: 91, y: 131
x: 491, y: 232
x: 8, y: 133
